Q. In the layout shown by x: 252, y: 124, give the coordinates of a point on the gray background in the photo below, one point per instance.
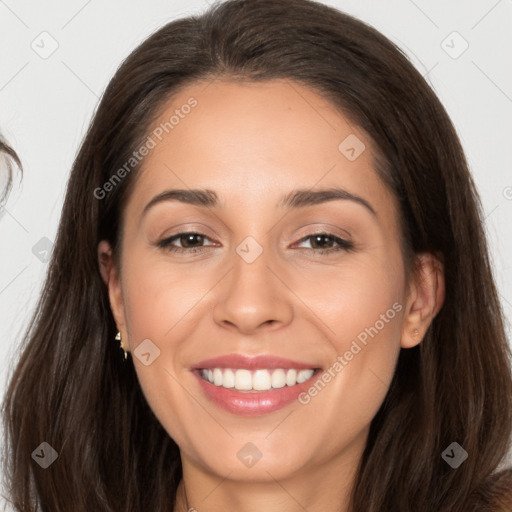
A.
x: 46, y: 102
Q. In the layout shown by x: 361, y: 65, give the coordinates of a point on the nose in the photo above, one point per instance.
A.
x: 253, y: 297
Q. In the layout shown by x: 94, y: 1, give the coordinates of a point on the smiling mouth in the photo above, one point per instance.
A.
x: 252, y: 381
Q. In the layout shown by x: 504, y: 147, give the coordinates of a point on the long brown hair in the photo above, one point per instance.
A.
x: 70, y: 387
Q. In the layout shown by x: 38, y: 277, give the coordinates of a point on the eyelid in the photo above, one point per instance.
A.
x: 186, y: 228
x: 165, y: 241
x: 343, y: 244
x: 326, y: 229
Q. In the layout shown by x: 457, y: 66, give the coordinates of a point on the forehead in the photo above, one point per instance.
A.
x: 262, y: 138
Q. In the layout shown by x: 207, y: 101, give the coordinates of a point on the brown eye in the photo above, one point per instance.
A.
x: 322, y: 242
x: 189, y: 241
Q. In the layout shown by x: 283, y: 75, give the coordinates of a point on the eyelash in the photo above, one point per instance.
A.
x: 343, y: 245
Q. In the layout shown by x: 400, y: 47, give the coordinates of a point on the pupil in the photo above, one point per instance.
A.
x: 188, y: 239
x: 319, y: 238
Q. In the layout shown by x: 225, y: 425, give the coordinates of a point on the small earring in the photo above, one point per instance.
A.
x: 118, y: 338
x: 415, y: 332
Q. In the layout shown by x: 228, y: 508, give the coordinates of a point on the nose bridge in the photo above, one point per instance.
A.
x: 253, y: 295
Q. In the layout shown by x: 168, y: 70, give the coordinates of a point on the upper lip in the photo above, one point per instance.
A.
x: 251, y: 362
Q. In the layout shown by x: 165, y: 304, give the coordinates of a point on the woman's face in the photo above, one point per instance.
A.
x: 249, y: 296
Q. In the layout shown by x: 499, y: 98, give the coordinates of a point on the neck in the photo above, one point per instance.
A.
x: 181, y: 504
x: 325, y: 487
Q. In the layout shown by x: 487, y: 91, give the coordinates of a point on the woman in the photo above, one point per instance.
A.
x: 334, y: 341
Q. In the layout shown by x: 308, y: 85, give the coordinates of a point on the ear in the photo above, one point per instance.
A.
x: 425, y: 298
x: 111, y: 277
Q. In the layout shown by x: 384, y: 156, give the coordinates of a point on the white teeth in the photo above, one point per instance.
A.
x: 243, y: 380
x: 228, y: 379
x: 217, y: 377
x: 304, y: 375
x: 278, y: 379
x: 291, y: 377
x: 257, y: 380
x: 261, y: 380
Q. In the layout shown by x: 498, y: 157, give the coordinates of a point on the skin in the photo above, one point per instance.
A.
x: 252, y: 143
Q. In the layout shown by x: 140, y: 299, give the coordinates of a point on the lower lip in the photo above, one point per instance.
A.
x: 256, y: 403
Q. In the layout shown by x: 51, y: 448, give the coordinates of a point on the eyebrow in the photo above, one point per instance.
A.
x: 294, y: 199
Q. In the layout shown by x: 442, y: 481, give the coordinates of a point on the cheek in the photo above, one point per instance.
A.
x: 360, y: 310
x: 160, y: 306
x: 356, y: 298
x: 163, y: 304
x: 348, y: 394
x: 159, y: 298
